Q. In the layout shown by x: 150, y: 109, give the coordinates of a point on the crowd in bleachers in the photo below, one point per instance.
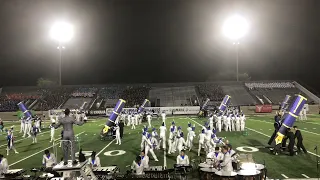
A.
x: 212, y: 91
x: 8, y: 104
x: 84, y: 92
x: 135, y: 95
x: 269, y: 85
x: 109, y: 92
x: 9, y: 100
x: 54, y: 98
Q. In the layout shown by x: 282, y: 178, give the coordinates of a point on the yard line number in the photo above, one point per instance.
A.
x: 114, y: 153
x: 247, y: 149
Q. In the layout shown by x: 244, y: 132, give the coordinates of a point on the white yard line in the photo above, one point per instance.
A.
x: 269, y: 136
x: 284, y: 176
x: 195, y: 122
x: 106, y: 147
x: 305, y: 176
x: 41, y: 151
x: 24, y: 138
x: 300, y: 129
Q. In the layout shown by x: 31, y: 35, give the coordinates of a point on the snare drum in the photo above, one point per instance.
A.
x: 263, y: 170
x: 208, y: 173
x: 226, y: 175
x: 205, y: 165
x: 248, y: 174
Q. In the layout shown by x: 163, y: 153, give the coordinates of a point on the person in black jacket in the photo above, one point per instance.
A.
x: 291, y: 138
x: 121, y: 126
x: 298, y: 135
x: 276, y: 126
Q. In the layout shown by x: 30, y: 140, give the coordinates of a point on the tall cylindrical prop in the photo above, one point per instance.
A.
x: 205, y: 104
x: 225, y: 103
x: 24, y: 109
x: 284, y: 104
x: 141, y: 108
x: 290, y: 118
x: 116, y: 111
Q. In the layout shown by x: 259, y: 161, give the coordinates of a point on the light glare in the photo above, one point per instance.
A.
x: 235, y: 27
x: 61, y: 32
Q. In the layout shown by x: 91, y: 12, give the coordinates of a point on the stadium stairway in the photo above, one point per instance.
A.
x: 239, y: 95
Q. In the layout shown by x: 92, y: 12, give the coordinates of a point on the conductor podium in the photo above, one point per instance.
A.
x: 81, y: 169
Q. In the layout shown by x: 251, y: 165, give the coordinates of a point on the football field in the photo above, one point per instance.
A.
x: 259, y: 130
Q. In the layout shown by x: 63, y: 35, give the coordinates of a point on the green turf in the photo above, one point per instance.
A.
x: 293, y: 167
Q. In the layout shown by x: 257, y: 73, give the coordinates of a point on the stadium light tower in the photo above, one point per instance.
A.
x: 61, y: 32
x: 235, y: 28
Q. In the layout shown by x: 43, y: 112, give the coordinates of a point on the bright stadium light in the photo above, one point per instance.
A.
x: 235, y: 27
x: 61, y: 32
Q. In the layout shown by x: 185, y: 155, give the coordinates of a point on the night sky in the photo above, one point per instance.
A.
x: 118, y: 41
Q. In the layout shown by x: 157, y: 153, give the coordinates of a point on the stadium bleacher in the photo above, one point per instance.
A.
x: 188, y: 94
x: 273, y: 92
x: 173, y: 96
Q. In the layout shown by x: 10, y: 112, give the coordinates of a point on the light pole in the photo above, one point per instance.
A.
x: 235, y: 28
x: 61, y: 32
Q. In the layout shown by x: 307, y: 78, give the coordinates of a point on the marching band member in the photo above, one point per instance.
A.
x: 140, y: 118
x: 211, y: 122
x: 129, y: 119
x: 10, y: 139
x: 225, y: 122
x: 27, y: 127
x: 233, y: 120
x: 94, y: 160
x: 137, y: 166
x: 173, y: 126
x: 242, y: 122
x: 189, y: 129
x: 216, y: 155
x: 171, y: 140
x: 144, y: 159
x: 117, y: 129
x: 133, y: 122
x: 35, y: 131
x: 49, y: 159
x: 163, y: 130
x: 237, y: 122
x: 176, y: 138
x: 4, y: 165
x: 22, y: 124
x: 208, y: 139
x: 136, y: 118
x: 181, y: 142
x: 233, y: 155
x: 154, y: 140
x: 163, y: 115
x: 183, y: 159
x: 37, y: 122
x: 226, y: 163
x: 149, y: 120
x: 149, y: 147
x: 191, y: 135
x: 143, y: 140
x: 228, y: 123
x: 202, y: 137
x: 304, y: 113
x: 218, y: 124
